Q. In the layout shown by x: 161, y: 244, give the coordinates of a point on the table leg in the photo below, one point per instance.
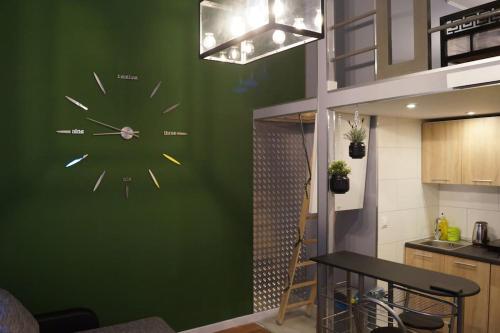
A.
x: 322, y: 297
x: 390, y: 299
x: 460, y: 315
x: 349, y: 298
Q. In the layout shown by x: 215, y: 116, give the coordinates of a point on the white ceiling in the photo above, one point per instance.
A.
x: 482, y: 101
x: 464, y: 4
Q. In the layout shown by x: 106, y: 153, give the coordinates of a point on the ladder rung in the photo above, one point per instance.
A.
x: 310, y: 241
x: 298, y: 304
x: 306, y: 263
x: 304, y: 284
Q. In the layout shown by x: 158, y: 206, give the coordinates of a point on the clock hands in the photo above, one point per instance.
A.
x: 115, y: 133
x: 127, y: 133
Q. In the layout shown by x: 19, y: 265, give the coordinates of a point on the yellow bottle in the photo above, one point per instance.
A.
x: 443, y: 227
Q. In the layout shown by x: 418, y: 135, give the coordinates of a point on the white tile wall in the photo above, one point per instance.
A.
x: 464, y: 205
x: 406, y: 207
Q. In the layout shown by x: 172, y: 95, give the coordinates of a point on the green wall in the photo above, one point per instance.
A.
x: 184, y: 252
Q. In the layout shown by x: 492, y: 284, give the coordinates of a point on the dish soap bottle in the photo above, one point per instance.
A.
x: 443, y: 227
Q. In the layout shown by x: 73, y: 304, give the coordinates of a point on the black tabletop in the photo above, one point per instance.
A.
x: 419, y: 279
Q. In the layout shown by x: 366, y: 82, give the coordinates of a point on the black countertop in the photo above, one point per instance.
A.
x: 403, y: 275
x: 469, y: 252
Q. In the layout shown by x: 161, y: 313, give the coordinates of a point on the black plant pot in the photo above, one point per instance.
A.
x: 357, y: 150
x: 339, y: 184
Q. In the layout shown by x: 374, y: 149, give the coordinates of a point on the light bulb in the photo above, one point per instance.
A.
x: 299, y: 25
x: 278, y: 9
x: 256, y: 13
x: 237, y: 26
x: 279, y: 37
x: 209, y: 41
x: 248, y: 47
x: 318, y: 20
x: 234, y: 53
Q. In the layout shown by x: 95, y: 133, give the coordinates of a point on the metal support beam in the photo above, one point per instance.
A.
x: 353, y: 19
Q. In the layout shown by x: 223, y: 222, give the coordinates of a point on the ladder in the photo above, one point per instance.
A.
x: 295, y: 265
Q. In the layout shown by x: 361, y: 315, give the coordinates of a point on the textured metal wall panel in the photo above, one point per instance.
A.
x: 279, y: 170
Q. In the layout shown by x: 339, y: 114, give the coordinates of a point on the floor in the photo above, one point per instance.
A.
x: 251, y: 328
x: 295, y: 322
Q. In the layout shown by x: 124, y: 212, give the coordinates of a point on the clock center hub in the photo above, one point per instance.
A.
x: 127, y: 133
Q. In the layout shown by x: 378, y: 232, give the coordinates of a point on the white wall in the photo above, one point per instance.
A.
x: 464, y: 205
x: 406, y: 207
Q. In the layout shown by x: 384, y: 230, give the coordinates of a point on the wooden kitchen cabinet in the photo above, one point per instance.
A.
x: 476, y: 307
x: 494, y: 322
x: 442, y: 152
x: 480, y: 152
x: 423, y: 259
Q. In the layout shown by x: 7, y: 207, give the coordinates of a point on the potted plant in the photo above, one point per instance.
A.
x: 357, y: 136
x: 339, y: 182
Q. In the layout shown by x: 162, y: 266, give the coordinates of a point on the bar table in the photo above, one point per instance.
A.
x: 426, y: 284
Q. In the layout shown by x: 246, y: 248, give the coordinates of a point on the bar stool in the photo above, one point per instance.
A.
x: 387, y: 330
x: 421, y: 321
x: 372, y: 313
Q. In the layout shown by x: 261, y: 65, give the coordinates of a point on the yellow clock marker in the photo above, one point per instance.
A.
x: 171, y: 159
x: 154, y: 178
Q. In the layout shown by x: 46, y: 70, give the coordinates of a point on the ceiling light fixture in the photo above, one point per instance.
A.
x: 246, y: 30
x: 411, y: 106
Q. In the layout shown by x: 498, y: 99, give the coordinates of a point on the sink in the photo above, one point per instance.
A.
x: 444, y: 244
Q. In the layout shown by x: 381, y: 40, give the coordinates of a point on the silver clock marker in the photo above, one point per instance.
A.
x: 76, y: 161
x: 74, y: 101
x: 154, y: 178
x: 172, y: 108
x: 99, y: 180
x: 155, y: 89
x: 99, y: 83
x: 127, y: 180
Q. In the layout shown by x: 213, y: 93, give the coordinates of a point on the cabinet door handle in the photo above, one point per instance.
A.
x: 460, y: 263
x: 423, y: 255
x: 482, y: 181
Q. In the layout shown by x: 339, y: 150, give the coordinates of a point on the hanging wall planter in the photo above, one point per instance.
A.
x: 357, y: 150
x: 357, y: 136
x: 339, y: 182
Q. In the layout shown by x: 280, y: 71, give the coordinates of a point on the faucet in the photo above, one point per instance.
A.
x: 437, y: 231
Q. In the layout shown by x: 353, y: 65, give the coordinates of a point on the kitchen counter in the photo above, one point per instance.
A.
x: 468, y: 252
x: 433, y: 283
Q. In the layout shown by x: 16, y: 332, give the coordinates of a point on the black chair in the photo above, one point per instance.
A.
x: 421, y: 321
x: 373, y: 315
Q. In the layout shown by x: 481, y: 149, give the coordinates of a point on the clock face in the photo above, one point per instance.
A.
x: 113, y: 129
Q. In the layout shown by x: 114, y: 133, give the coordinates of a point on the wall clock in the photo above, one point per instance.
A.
x: 121, y: 131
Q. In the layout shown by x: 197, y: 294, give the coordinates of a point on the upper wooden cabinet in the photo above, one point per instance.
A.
x: 442, y: 152
x: 480, y: 152
x: 461, y: 152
